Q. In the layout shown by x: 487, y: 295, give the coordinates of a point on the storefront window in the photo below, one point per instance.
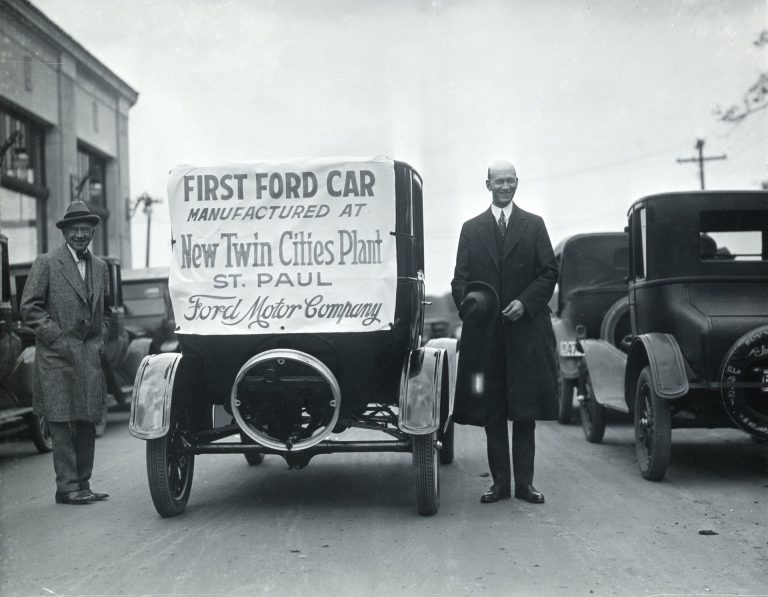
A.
x: 91, y: 177
x: 22, y: 190
x: 18, y: 221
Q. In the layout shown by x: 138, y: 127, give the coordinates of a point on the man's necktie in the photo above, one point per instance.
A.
x: 502, y: 223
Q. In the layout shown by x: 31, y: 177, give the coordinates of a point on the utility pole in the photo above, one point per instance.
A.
x: 130, y: 210
x: 701, y: 159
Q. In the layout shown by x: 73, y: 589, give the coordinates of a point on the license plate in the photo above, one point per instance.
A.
x: 568, y: 348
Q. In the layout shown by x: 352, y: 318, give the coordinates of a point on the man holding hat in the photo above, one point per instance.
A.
x: 505, y: 259
x: 64, y: 303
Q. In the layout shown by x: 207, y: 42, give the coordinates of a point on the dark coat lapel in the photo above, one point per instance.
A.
x: 487, y: 231
x: 71, y: 273
x: 515, y: 231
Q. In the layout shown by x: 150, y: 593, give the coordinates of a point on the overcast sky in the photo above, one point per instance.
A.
x: 593, y: 101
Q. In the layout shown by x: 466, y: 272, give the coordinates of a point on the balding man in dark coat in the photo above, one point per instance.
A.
x: 64, y: 303
x: 509, y: 249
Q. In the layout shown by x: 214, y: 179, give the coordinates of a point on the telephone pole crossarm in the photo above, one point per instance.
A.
x: 701, y: 159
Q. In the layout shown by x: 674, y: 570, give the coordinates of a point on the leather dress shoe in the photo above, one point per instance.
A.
x: 97, y: 497
x: 75, y: 498
x: 529, y: 493
x: 496, y: 493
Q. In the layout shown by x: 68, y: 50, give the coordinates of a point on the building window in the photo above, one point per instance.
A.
x: 91, y: 188
x: 95, y: 116
x: 22, y: 190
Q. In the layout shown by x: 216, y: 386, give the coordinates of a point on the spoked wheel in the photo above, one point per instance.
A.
x: 40, y: 432
x: 252, y: 458
x: 170, y: 468
x: 591, y: 412
x: 565, y: 411
x: 447, y: 445
x: 653, y: 429
x: 426, y: 473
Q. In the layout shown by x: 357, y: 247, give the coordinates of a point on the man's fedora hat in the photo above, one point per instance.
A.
x: 78, y: 211
x: 480, y: 304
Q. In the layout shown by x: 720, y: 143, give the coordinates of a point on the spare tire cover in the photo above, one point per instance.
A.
x: 747, y: 361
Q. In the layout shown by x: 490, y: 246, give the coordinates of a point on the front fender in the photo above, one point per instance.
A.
x: 424, y: 372
x: 449, y: 345
x: 663, y: 354
x: 606, y: 365
x: 152, y: 395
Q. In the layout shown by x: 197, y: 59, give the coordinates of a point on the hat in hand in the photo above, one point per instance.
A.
x: 78, y: 211
x: 480, y: 304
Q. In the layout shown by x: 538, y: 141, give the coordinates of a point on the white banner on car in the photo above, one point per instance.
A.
x: 297, y: 246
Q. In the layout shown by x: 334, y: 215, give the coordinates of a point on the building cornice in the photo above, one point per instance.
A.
x: 37, y: 20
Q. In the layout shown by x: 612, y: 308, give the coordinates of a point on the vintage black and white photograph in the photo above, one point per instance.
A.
x: 379, y: 298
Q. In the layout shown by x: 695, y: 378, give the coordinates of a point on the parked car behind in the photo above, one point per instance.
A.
x: 16, y: 360
x: 698, y: 305
x: 148, y: 309
x: 591, y: 302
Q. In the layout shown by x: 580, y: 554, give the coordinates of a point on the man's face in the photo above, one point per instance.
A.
x: 79, y: 235
x: 502, y: 182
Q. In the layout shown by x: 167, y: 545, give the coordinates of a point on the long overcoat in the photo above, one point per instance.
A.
x: 526, y: 270
x: 70, y: 330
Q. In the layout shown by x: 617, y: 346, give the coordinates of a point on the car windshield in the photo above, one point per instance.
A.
x: 597, y: 261
x: 143, y: 298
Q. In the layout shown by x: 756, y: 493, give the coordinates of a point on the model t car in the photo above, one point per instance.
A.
x: 16, y: 360
x: 591, y: 302
x: 298, y: 292
x: 698, y: 305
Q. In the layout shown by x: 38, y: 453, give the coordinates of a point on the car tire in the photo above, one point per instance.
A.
x: 653, y: 428
x: 170, y: 470
x: 565, y: 402
x: 426, y: 473
x: 615, y: 323
x: 591, y: 413
x: 747, y: 361
x: 40, y: 432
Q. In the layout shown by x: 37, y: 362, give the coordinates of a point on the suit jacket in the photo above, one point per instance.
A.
x: 70, y: 331
x: 527, y: 271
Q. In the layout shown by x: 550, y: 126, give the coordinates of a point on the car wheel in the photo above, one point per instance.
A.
x: 592, y: 413
x: 616, y: 325
x: 565, y: 403
x: 170, y: 467
x: 426, y: 473
x: 653, y: 429
x: 40, y: 432
x: 252, y: 458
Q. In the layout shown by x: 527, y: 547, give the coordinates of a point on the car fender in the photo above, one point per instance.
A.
x: 152, y: 395
x: 663, y: 354
x: 564, y: 332
x: 606, y: 365
x: 425, y: 371
x: 450, y: 346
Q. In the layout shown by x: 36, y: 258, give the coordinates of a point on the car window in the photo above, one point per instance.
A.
x: 143, y: 298
x: 733, y: 236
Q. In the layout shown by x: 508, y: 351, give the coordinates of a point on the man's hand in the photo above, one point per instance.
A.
x: 513, y: 311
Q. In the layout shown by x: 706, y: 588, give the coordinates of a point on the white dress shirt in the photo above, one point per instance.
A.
x: 507, y: 209
x: 79, y: 262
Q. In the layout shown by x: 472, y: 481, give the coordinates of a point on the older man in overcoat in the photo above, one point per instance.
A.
x: 64, y: 302
x: 508, y: 249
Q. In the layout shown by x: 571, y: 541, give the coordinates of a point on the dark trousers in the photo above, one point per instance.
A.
x: 73, y: 448
x: 497, y: 433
